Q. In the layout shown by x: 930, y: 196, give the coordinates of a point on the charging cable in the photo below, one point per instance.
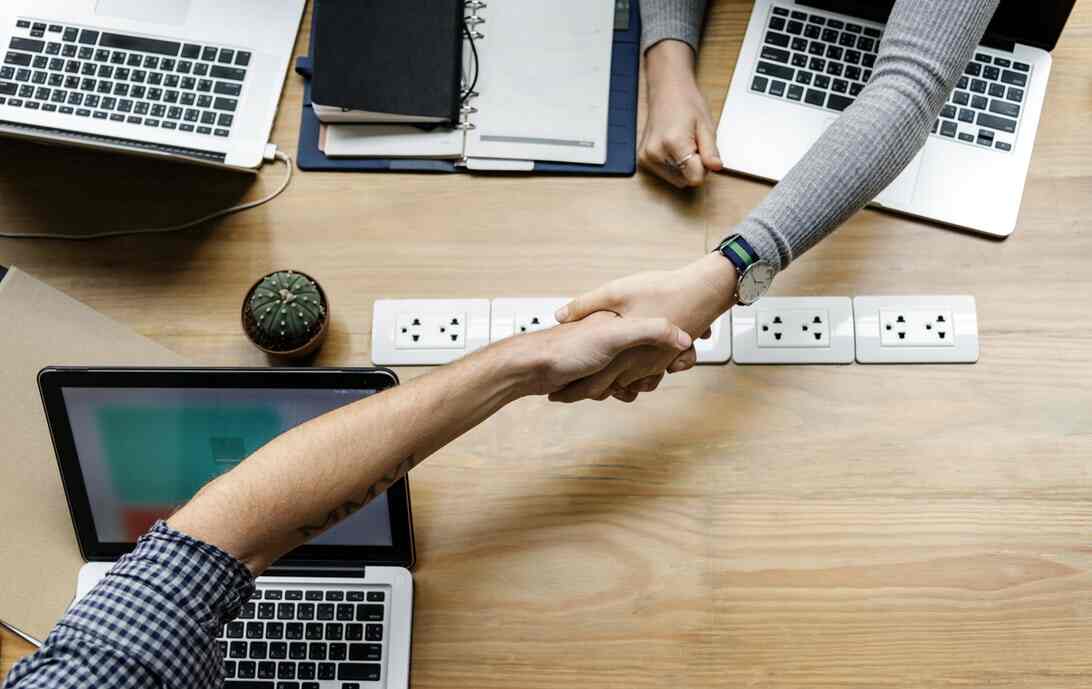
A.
x: 271, y: 154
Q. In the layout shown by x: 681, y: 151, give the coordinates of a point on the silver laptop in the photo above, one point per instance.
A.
x: 132, y: 444
x: 802, y: 63
x: 197, y: 80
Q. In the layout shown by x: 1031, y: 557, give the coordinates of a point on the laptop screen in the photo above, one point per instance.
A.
x: 144, y: 452
x: 1031, y: 23
x: 134, y: 444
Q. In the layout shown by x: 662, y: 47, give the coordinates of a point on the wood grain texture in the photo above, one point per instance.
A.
x: 914, y: 526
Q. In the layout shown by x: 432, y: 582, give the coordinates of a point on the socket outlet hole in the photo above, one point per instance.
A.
x: 765, y: 328
x: 928, y: 326
x: 535, y: 321
x: 818, y: 336
x: 900, y: 319
x: 416, y: 338
x: 902, y: 335
x: 817, y: 319
x: 416, y: 321
x: 940, y: 334
x: 940, y: 318
x: 777, y: 320
x: 777, y: 336
x: 454, y: 338
x: 888, y: 326
x: 454, y: 321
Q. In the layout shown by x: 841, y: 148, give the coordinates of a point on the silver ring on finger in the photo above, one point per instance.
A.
x: 677, y: 164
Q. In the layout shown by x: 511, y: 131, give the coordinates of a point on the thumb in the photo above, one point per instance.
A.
x: 585, y: 305
x: 627, y: 333
x: 707, y: 146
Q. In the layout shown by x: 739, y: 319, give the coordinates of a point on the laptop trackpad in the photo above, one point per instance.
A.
x: 900, y: 193
x: 151, y: 11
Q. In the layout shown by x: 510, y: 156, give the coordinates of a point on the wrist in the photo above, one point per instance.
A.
x: 517, y: 367
x: 670, y: 59
x: 718, y: 274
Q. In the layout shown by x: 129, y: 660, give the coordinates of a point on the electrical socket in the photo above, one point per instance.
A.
x: 916, y: 329
x: 423, y: 332
x: 431, y: 331
x: 794, y: 330
x: 717, y: 348
x: 518, y: 316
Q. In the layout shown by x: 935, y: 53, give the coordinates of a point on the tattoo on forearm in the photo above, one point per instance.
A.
x: 346, y: 510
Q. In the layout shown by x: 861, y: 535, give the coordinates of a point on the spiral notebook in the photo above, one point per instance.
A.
x: 542, y: 92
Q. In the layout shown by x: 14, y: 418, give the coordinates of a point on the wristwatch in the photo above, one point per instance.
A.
x: 755, y: 274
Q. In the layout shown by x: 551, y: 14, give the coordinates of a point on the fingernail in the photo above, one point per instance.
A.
x: 684, y: 340
x: 561, y: 314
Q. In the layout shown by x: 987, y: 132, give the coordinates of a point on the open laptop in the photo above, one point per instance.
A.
x: 195, y: 80
x: 133, y: 444
x: 802, y: 63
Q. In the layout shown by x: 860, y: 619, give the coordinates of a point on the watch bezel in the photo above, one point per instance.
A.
x: 749, y: 273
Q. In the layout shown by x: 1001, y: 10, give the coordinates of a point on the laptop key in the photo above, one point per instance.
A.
x: 772, y: 37
x: 1002, y: 146
x: 769, y: 69
x: 799, y: 60
x: 817, y: 64
x: 777, y: 88
x: 966, y: 115
x: 18, y: 59
x: 812, y: 31
x: 355, y: 632
x: 286, y: 611
x: 1014, y: 78
x: 231, y: 73
x: 812, y: 97
x: 803, y: 77
x: 991, y: 73
x: 948, y: 112
x: 247, y: 669
x: 28, y: 45
x: 305, y: 671
x: 369, y: 612
x: 237, y: 649
x: 326, y: 671
x: 997, y: 90
x: 994, y: 122
x: 1021, y: 66
x: 979, y: 102
x: 777, y: 23
x: 313, y: 595
x: 365, y: 651
x: 759, y: 84
x: 1015, y: 94
x: 8, y: 89
x: 1002, y: 62
x: 964, y: 136
x: 978, y: 86
x: 293, y: 630
x: 267, y: 669
x: 839, y: 86
x: 800, y: 44
x: 297, y: 650
x: 255, y: 630
x: 316, y: 651
x: 839, y: 103
x: 822, y: 81
x: 314, y: 631
x: 961, y: 98
x: 278, y: 650
x: 325, y: 611
x: 273, y: 630
x: 338, y: 651
x: 361, y: 671
x: 795, y: 28
x: 286, y: 671
x: 373, y: 632
x: 973, y: 68
x: 768, y: 53
x: 242, y: 58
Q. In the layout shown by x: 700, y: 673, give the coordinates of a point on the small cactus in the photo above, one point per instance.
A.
x: 285, y: 313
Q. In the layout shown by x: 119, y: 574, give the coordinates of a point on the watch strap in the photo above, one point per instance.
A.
x: 739, y: 251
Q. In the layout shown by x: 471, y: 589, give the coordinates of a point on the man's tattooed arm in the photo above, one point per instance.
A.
x: 376, y: 489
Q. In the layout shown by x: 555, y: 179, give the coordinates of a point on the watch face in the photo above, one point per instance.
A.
x: 755, y: 282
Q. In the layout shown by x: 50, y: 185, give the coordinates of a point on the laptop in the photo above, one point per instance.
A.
x: 134, y: 444
x: 802, y: 63
x: 193, y: 80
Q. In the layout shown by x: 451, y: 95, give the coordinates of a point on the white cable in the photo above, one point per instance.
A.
x: 284, y: 158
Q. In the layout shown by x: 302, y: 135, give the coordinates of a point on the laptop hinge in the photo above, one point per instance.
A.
x: 998, y: 44
x: 315, y: 569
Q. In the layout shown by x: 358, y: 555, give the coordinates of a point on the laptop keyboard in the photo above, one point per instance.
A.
x: 824, y: 62
x: 300, y: 638
x: 141, y: 82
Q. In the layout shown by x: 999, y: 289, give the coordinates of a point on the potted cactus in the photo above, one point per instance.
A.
x: 285, y: 314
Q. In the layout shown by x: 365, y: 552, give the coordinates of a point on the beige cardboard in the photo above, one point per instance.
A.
x: 40, y: 327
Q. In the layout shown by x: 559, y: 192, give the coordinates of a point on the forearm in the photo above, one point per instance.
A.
x: 312, y: 477
x: 925, y: 48
x: 680, y: 20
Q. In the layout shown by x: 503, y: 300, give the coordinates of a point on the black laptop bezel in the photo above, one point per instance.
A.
x: 1017, y: 32
x: 53, y: 380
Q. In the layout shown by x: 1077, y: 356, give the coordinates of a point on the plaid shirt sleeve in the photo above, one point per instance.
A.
x: 151, y: 622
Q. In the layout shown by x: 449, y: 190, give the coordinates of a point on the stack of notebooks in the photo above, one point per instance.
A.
x: 454, y: 85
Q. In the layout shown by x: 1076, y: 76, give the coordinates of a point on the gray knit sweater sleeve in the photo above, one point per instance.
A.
x: 924, y: 49
x: 677, y: 19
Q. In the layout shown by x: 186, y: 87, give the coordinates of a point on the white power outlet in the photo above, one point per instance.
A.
x: 423, y: 332
x: 431, y: 331
x: 917, y: 329
x: 519, y: 316
x: 717, y: 348
x: 794, y: 330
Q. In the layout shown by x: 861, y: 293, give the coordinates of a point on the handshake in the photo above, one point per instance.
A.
x: 621, y: 339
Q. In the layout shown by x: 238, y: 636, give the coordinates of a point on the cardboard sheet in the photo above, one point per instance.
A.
x: 42, y: 327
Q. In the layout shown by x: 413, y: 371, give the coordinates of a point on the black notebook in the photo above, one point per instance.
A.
x: 388, y: 60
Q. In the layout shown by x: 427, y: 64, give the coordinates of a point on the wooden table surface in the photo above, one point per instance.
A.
x: 848, y: 526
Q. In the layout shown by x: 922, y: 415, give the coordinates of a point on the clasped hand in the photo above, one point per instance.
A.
x: 691, y: 298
